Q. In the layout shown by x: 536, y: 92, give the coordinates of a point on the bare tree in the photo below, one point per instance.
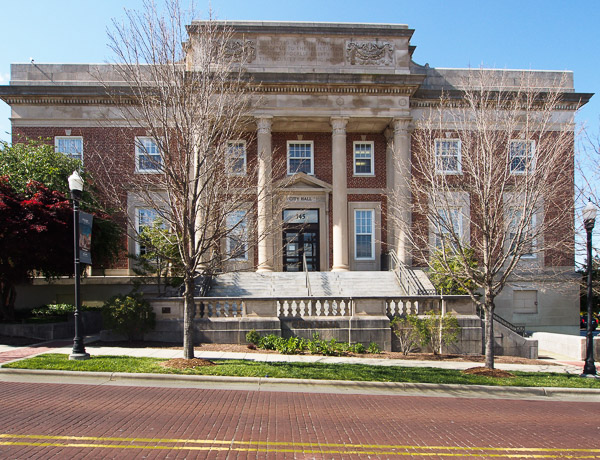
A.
x: 492, y: 178
x: 185, y: 88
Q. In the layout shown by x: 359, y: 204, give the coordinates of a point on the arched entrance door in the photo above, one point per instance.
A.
x: 300, y: 238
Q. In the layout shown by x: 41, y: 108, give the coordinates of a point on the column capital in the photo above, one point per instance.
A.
x: 401, y: 125
x: 338, y: 124
x: 263, y: 124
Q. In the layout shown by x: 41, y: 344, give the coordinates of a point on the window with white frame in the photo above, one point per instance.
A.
x: 521, y: 156
x: 363, y: 159
x: 147, y: 155
x: 236, y: 158
x: 300, y: 157
x: 364, y: 234
x: 71, y: 146
x: 448, y: 227
x: 237, y: 235
x: 447, y: 156
x: 521, y: 234
x: 146, y: 218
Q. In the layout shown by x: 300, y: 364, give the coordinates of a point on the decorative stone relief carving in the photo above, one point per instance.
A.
x: 370, y: 53
x: 240, y: 50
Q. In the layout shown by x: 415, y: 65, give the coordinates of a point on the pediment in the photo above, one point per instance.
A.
x: 304, y: 182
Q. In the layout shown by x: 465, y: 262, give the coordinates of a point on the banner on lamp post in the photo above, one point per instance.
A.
x: 85, y: 238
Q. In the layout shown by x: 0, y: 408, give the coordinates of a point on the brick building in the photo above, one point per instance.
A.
x: 338, y: 100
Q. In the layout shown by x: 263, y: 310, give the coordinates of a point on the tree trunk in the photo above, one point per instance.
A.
x: 7, y: 301
x: 489, y: 332
x: 189, y: 311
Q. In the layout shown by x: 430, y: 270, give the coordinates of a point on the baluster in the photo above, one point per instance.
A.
x: 286, y: 308
x: 302, y: 308
x: 309, y: 307
x: 342, y: 307
x: 294, y: 308
x: 318, y: 307
x: 334, y: 307
x: 326, y: 308
x: 279, y: 309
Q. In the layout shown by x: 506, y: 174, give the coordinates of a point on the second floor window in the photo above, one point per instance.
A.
x: 70, y: 145
x: 447, y: 156
x: 521, y: 156
x: 147, y: 155
x: 363, y: 159
x: 236, y: 158
x: 300, y: 157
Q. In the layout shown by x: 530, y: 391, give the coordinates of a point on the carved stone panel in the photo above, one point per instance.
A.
x: 369, y: 53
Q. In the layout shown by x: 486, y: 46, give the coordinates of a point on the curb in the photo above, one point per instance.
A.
x: 302, y: 385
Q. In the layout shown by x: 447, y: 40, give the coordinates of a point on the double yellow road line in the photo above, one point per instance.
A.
x: 101, y: 442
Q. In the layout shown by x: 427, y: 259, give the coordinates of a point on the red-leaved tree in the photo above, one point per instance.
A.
x: 36, y: 235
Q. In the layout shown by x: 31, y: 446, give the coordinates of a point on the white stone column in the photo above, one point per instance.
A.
x: 401, y: 177
x: 339, y: 195
x: 264, y: 203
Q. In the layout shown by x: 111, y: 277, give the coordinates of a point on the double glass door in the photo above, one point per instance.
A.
x: 300, y: 239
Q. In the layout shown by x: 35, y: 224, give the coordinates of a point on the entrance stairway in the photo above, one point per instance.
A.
x: 322, y: 284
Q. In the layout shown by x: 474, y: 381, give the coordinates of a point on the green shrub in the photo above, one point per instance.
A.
x: 253, y: 337
x: 373, y: 348
x: 439, y: 330
x: 359, y: 348
x: 129, y: 315
x: 408, y: 329
x: 269, y: 342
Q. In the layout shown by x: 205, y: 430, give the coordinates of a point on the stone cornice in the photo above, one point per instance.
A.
x: 310, y: 28
x: 402, y: 85
x: 432, y: 97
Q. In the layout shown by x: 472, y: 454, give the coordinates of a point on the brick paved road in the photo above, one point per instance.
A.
x: 101, y: 421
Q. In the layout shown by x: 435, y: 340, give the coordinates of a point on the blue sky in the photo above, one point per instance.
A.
x: 507, y: 34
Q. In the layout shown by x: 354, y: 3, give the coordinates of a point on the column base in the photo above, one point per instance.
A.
x: 264, y: 268
x: 340, y: 268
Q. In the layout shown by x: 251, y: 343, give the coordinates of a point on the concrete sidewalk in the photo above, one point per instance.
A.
x: 9, y: 354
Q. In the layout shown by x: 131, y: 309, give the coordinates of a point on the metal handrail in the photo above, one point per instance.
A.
x: 308, y: 288
x: 407, y: 279
x: 520, y: 330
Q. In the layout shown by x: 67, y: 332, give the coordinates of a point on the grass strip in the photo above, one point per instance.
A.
x: 318, y: 371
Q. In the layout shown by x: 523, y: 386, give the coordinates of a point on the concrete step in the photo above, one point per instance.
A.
x: 323, y: 284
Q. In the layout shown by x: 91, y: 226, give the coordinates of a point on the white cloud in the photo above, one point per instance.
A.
x: 4, y: 78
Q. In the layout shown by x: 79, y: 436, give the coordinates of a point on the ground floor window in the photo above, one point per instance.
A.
x: 237, y: 235
x: 146, y: 218
x: 364, y: 234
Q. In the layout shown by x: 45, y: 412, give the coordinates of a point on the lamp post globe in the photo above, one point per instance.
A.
x: 76, y: 187
x: 589, y: 219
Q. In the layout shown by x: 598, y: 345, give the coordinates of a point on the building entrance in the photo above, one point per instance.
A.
x: 300, y: 239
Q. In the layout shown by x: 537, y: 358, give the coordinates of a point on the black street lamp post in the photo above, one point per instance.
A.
x: 589, y: 219
x: 76, y: 187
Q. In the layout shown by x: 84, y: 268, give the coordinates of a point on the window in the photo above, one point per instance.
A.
x: 363, y: 159
x: 236, y: 158
x: 447, y: 156
x: 300, y: 157
x: 70, y: 145
x: 523, y: 242
x: 448, y: 227
x: 525, y: 301
x: 521, y: 156
x: 147, y: 155
x: 237, y: 236
x: 146, y: 218
x: 364, y: 234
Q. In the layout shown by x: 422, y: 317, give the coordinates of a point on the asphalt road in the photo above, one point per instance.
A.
x: 103, y: 421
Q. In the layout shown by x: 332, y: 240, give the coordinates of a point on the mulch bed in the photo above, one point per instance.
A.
x: 497, y: 373
x: 237, y: 348
x: 180, y: 363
